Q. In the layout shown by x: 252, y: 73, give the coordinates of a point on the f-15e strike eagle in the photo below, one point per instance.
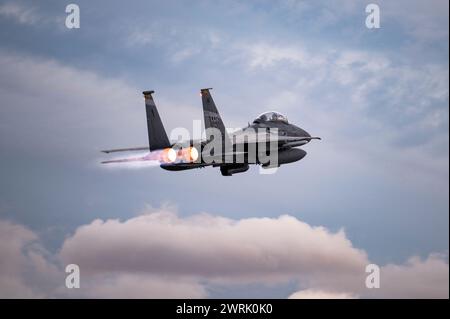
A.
x: 269, y: 141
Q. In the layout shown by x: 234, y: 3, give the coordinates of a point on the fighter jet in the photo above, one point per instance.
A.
x: 270, y: 141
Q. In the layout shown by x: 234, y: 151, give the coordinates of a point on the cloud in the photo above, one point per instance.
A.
x: 423, y: 20
x: 139, y: 37
x: 263, y: 55
x: 417, y: 278
x: 321, y: 15
x: 184, y: 54
x: 401, y: 109
x: 28, y: 14
x: 319, y: 294
x: 25, y: 271
x: 61, y: 95
x: 217, y: 247
x: 217, y: 250
x: 20, y: 13
x: 161, y: 255
x: 75, y: 102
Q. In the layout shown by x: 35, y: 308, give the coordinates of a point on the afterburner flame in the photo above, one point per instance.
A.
x: 188, y: 155
x: 194, y: 154
x: 164, y: 156
x: 168, y: 155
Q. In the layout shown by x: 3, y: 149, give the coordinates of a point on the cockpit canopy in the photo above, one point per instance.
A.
x: 271, y: 117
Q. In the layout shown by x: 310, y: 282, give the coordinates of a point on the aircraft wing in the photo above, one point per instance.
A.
x: 143, y: 148
x: 127, y: 160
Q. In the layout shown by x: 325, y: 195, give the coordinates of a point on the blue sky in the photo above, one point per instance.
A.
x: 378, y: 97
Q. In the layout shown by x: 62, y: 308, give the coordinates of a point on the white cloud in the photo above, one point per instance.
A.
x: 362, y: 103
x: 263, y: 55
x: 216, y: 247
x: 326, y: 13
x: 184, y: 54
x: 28, y: 14
x: 20, y: 13
x: 417, y: 278
x: 47, y: 105
x: 320, y: 294
x: 161, y: 255
x: 140, y: 37
x: 205, y: 248
x: 24, y: 269
x: 70, y: 99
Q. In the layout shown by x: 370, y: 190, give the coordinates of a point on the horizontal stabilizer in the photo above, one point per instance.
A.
x: 126, y: 160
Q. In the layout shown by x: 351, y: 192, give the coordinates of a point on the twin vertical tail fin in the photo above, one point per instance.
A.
x: 157, y: 137
x: 212, y: 116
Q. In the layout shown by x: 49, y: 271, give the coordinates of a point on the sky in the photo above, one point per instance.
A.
x: 374, y: 190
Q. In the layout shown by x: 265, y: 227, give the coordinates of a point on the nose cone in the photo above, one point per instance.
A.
x: 302, y: 133
x: 304, y: 136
